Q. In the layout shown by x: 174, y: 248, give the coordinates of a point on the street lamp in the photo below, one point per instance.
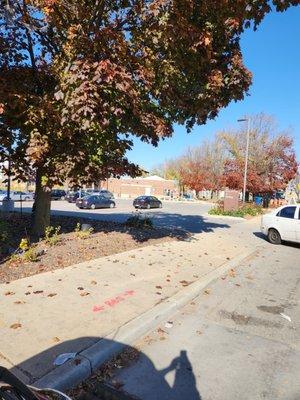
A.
x: 248, y: 120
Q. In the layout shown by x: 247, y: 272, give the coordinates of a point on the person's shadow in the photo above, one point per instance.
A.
x: 141, y: 379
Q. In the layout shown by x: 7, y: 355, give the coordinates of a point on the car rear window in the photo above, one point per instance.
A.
x: 287, y: 212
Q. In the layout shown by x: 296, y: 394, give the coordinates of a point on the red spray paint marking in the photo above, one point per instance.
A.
x: 110, y: 303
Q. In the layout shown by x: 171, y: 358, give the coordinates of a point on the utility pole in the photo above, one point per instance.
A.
x: 248, y: 120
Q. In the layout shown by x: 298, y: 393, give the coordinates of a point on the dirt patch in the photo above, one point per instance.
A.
x: 108, y: 238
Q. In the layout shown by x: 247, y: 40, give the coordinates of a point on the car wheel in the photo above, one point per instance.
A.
x: 274, y: 236
x: 62, y: 198
x: 148, y: 206
x: 112, y: 205
x: 93, y: 206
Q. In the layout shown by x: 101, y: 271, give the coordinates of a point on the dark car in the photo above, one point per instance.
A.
x: 71, y: 197
x: 95, y: 201
x: 106, y: 193
x: 147, y: 202
x: 58, y: 194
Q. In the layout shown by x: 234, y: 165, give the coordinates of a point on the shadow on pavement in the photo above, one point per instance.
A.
x: 260, y: 235
x: 150, y: 384
x: 190, y: 223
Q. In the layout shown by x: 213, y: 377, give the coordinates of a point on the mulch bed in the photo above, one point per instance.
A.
x: 108, y: 238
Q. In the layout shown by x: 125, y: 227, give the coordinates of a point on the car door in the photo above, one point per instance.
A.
x: 286, y: 222
x: 100, y: 202
x: 298, y: 224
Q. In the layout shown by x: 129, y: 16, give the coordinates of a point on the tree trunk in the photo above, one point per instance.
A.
x: 41, y: 208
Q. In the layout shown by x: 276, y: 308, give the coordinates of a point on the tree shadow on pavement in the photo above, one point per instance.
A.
x: 148, y: 383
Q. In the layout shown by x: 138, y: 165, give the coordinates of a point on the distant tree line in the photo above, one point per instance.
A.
x: 219, y: 162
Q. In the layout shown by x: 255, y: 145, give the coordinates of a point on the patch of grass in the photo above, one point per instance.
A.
x: 140, y: 221
x: 242, y: 212
x: 52, y: 235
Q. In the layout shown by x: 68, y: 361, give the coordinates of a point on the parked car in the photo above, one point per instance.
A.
x: 147, y: 202
x: 282, y: 223
x: 17, y: 196
x: 105, y: 193
x: 95, y: 201
x: 71, y: 197
x: 58, y: 194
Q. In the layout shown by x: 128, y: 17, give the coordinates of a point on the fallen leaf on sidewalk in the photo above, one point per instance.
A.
x: 199, y: 332
x: 52, y: 294
x: 80, y: 288
x: 9, y: 293
x: 237, y: 284
x: 56, y: 339
x: 232, y: 273
x: 159, y: 330
x: 19, y: 302
x: 84, y: 294
x: 195, y: 276
x: 158, y: 287
x: 207, y: 291
x: 158, y: 293
x: 38, y: 291
x: 16, y: 326
x: 93, y: 282
x: 27, y: 293
x: 184, y: 283
x: 223, y: 277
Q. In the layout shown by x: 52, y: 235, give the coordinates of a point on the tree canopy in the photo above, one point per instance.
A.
x: 79, y: 77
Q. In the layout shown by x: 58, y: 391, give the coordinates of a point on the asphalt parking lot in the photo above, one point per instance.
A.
x: 191, y: 216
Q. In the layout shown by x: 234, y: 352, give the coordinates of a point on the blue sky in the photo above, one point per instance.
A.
x: 272, y: 54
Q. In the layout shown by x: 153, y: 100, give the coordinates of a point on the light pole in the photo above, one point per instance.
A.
x: 248, y: 120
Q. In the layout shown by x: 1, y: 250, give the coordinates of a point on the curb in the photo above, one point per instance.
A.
x: 89, y: 360
x: 229, y: 217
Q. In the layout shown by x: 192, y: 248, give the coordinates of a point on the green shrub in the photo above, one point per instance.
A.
x: 31, y: 255
x: 83, y: 234
x: 139, y: 220
x: 52, y: 235
x: 248, y: 209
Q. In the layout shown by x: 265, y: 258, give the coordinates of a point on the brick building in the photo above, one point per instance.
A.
x: 133, y: 187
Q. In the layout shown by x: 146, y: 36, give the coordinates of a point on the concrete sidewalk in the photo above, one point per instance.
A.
x: 70, y: 310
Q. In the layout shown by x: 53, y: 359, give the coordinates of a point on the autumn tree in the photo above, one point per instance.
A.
x: 202, y: 166
x: 271, y: 163
x: 79, y: 77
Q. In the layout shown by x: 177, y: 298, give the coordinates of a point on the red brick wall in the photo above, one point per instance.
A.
x: 139, y: 186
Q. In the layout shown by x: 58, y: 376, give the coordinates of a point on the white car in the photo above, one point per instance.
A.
x: 282, y: 224
x: 16, y: 196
